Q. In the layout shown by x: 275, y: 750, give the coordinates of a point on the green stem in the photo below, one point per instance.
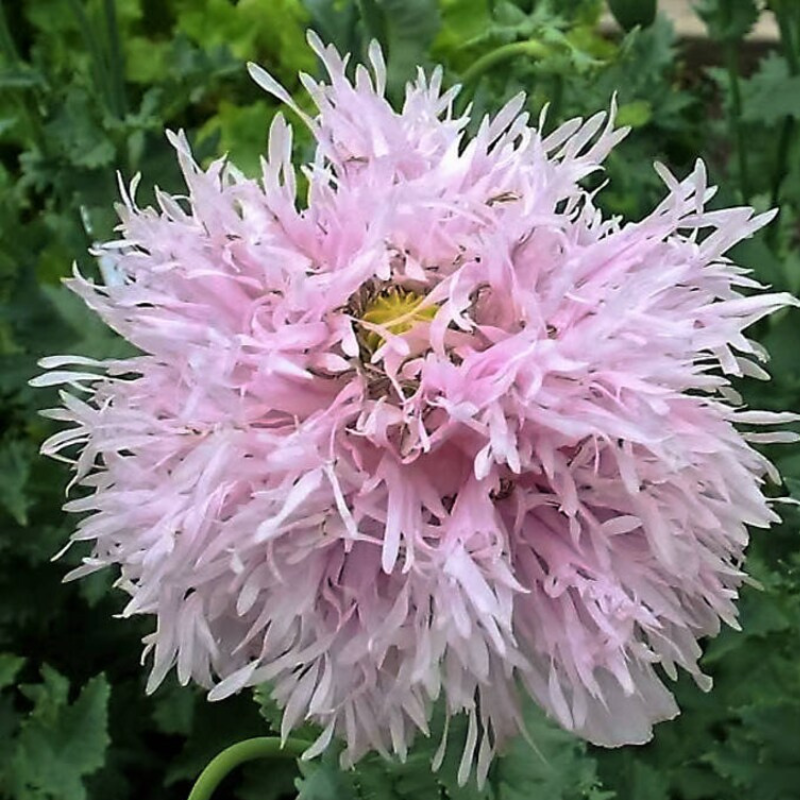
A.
x: 788, y: 43
x: 375, y: 23
x: 556, y: 100
x: 28, y: 109
x: 531, y: 48
x: 736, y: 119
x: 248, y: 750
x: 6, y: 40
x: 782, y: 160
x: 99, y: 61
x: 116, y: 58
x: 789, y: 47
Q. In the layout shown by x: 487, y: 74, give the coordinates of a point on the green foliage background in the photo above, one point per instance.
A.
x: 87, y: 88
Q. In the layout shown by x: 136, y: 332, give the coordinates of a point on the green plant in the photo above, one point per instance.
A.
x: 87, y: 88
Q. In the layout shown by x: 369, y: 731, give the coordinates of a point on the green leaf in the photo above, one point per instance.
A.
x: 559, y: 768
x: 772, y: 93
x: 336, y: 22
x: 268, y: 780
x: 374, y: 22
x: 462, y: 21
x: 49, y: 16
x: 630, y: 13
x: 145, y: 59
x: 781, y: 342
x: 8, y: 124
x: 323, y: 779
x: 215, y: 726
x: 581, y: 12
x: 411, y: 27
x: 15, y: 468
x: 242, y: 133
x: 9, y: 667
x: 636, y: 114
x: 767, y: 268
x: 93, y: 338
x: 174, y: 708
x: 273, y: 714
x: 761, y: 759
x: 647, y: 781
x: 251, y: 29
x: 728, y: 20
x: 22, y: 77
x: 60, y: 743
x: 77, y: 132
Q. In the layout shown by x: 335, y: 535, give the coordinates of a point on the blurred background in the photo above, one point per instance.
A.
x: 87, y: 88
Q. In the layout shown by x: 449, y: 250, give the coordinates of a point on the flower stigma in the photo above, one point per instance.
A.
x: 395, y: 309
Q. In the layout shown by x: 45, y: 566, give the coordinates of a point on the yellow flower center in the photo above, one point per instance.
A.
x: 398, y: 311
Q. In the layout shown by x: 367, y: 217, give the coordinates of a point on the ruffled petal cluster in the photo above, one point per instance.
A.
x: 533, y: 482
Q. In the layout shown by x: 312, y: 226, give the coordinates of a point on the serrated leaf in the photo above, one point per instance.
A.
x: 145, y: 60
x: 10, y: 665
x: 323, y: 779
x: 635, y: 114
x: 251, y: 29
x: 22, y: 77
x: 728, y: 20
x: 271, y: 712
x: 242, y: 133
x: 767, y: 268
x: 7, y: 124
x: 48, y: 16
x: 15, y: 469
x: 96, y: 340
x: 559, y: 768
x: 411, y: 27
x: 462, y: 21
x: 94, y: 587
x: 59, y: 744
x: 215, y: 726
x: 337, y: 23
x: 761, y: 759
x: 77, y: 132
x: 646, y: 781
x: 772, y: 93
x: 268, y: 780
x: 781, y: 342
x: 174, y: 708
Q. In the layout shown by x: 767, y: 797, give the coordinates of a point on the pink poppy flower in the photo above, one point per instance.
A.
x: 441, y: 430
